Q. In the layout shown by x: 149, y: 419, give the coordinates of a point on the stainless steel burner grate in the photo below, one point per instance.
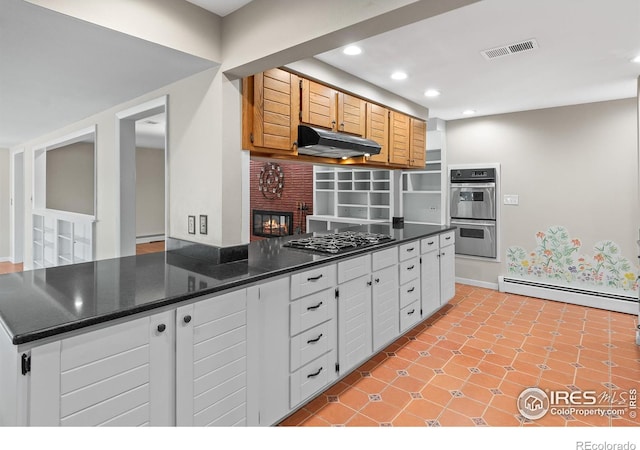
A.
x: 339, y: 242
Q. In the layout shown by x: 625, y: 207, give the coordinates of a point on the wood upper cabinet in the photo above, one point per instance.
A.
x: 399, y: 138
x: 318, y: 105
x: 351, y: 114
x: 276, y: 105
x: 418, y: 143
x: 378, y: 130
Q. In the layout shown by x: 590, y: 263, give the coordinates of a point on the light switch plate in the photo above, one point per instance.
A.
x: 192, y: 224
x: 203, y: 224
x: 511, y: 199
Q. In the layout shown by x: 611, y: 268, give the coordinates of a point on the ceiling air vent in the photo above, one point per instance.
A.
x: 506, y: 50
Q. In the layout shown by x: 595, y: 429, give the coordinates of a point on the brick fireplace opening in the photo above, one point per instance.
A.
x: 272, y: 223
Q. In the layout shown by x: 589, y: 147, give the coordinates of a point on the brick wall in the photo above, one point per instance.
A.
x: 298, y: 188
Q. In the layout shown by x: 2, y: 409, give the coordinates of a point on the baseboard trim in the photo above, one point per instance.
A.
x: 477, y: 283
x: 150, y: 238
x: 5, y: 259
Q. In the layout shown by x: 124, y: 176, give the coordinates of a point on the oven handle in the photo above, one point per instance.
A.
x: 477, y: 223
x: 472, y: 185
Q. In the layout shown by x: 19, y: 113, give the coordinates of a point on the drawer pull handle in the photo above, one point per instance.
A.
x: 313, y: 308
x: 187, y: 319
x: 161, y: 328
x: 411, y: 249
x: 430, y: 243
x: 313, y: 341
x: 314, y: 278
x: 313, y: 375
x: 447, y: 238
x: 411, y: 290
x: 411, y: 312
x: 410, y: 267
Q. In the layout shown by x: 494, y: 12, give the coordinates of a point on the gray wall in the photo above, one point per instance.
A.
x: 573, y: 166
x: 149, y: 192
x: 70, y: 178
x: 5, y: 186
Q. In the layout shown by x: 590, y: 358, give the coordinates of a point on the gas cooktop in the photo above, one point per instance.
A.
x: 339, y: 242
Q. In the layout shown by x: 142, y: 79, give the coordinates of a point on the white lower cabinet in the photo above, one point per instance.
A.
x: 385, y: 305
x: 211, y: 361
x: 437, y: 272
x: 116, y: 376
x: 447, y: 271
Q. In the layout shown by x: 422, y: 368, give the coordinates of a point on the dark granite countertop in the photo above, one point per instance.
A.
x: 46, y: 302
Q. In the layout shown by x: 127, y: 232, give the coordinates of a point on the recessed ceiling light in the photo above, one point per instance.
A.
x: 469, y: 112
x: 636, y: 59
x: 352, y: 50
x: 431, y: 93
x: 398, y: 75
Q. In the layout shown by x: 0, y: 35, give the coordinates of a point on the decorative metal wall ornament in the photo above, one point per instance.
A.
x: 271, y: 181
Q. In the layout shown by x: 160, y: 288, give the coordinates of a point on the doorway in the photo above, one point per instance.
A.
x: 143, y: 183
x: 17, y: 207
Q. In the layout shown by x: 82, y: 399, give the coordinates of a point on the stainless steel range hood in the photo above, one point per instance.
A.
x: 331, y: 144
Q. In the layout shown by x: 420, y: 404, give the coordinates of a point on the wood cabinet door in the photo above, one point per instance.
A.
x: 385, y: 306
x: 276, y: 103
x: 418, y: 146
x: 378, y: 130
x: 399, y: 138
x: 318, y: 105
x: 211, y: 361
x: 352, y: 113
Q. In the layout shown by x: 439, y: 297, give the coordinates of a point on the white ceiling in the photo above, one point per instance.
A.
x: 220, y: 7
x: 584, y: 53
x: 56, y: 70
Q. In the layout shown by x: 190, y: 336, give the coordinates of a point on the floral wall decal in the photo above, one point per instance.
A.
x: 557, y: 257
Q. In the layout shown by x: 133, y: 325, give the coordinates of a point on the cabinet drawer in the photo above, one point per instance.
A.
x: 311, y: 310
x: 384, y: 258
x: 311, y: 378
x: 354, y: 268
x: 314, y: 280
x: 409, y: 292
x: 429, y: 244
x: 447, y: 238
x: 409, y: 270
x: 409, y: 316
x: 310, y: 344
x: 409, y: 250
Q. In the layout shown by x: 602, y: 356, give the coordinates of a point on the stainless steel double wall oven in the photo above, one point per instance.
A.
x: 473, y: 211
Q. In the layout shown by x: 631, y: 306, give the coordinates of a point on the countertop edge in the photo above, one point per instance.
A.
x: 26, y: 338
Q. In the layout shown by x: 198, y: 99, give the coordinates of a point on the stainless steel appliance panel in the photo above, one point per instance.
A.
x: 473, y: 201
x: 475, y: 238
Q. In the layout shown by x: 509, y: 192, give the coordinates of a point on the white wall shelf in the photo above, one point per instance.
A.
x: 61, y: 238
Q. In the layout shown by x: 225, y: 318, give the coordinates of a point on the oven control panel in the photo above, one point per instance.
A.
x: 473, y: 175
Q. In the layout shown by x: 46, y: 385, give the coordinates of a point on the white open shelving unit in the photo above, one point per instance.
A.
x: 348, y: 196
x: 61, y: 238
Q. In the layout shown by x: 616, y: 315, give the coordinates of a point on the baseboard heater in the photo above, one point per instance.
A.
x: 567, y: 294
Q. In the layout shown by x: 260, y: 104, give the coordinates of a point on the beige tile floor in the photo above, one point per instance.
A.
x: 467, y: 365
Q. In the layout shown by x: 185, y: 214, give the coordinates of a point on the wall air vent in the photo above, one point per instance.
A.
x: 511, y: 49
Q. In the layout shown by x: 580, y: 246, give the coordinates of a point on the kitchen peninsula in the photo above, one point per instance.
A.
x: 169, y: 339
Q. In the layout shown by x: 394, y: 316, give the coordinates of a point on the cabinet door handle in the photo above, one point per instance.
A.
x: 314, y: 278
x: 313, y: 308
x: 315, y: 374
x: 313, y: 341
x: 442, y: 254
x: 369, y: 283
x: 411, y: 312
x: 411, y: 290
x: 161, y: 328
x: 377, y: 280
x: 187, y: 319
x: 411, y: 267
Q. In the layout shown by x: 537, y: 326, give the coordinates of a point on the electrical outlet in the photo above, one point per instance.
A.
x: 192, y: 224
x: 511, y: 199
x: 203, y: 224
